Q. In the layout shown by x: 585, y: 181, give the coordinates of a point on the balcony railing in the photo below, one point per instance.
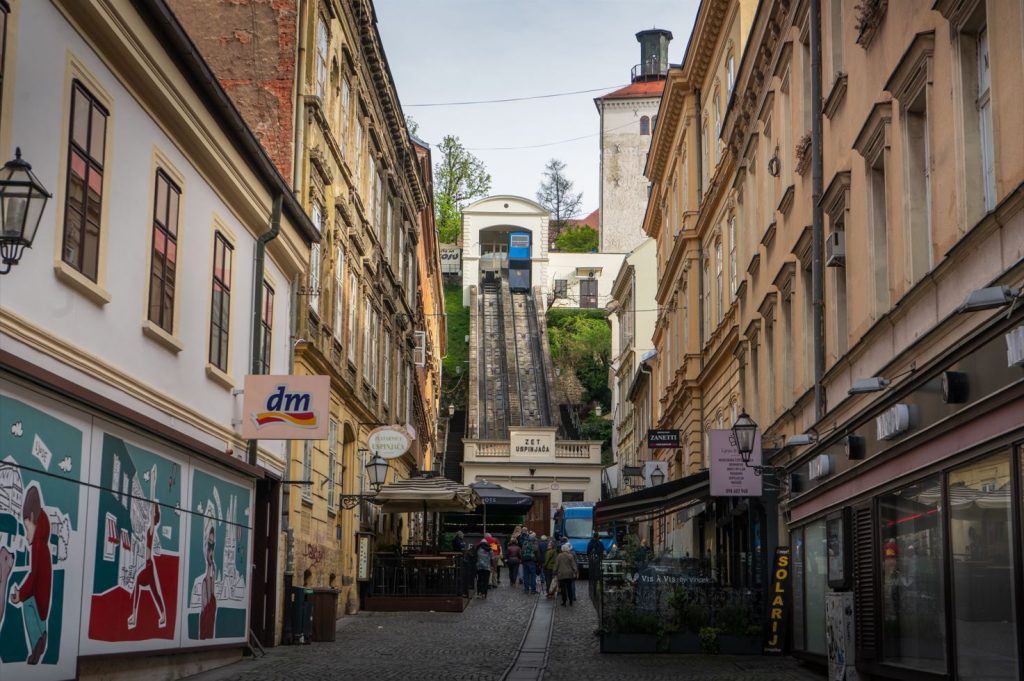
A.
x: 580, y: 450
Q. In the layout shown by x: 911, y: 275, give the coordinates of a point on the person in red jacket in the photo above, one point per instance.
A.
x: 34, y: 592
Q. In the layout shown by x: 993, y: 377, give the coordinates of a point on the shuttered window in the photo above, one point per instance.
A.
x: 864, y: 579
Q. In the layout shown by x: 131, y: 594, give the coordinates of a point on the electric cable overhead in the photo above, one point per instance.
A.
x: 551, y: 144
x: 513, y: 99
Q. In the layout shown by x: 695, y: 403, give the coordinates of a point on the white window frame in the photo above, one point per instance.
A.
x: 307, y: 470
x: 314, y: 278
x: 339, y: 290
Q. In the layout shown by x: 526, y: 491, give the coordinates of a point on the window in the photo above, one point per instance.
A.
x: 733, y: 270
x: 339, y: 290
x: 332, y: 464
x: 266, y: 328
x: 975, y: 111
x: 720, y: 301
x: 686, y: 322
x: 358, y: 153
x: 704, y: 158
x: 707, y: 302
x: 163, y: 264
x: 83, y: 207
x: 814, y: 586
x: 654, y: 123
x: 981, y: 531
x: 835, y: 29
x: 321, y: 58
x: 787, y: 347
x: 408, y: 394
x: 588, y: 293
x: 919, y: 195
x: 561, y: 288
x: 913, y: 591
x: 718, y: 125
x: 353, y: 313
x: 730, y: 74
x: 984, y: 106
x: 314, y: 279
x: 769, y: 358
x: 807, y: 310
x: 307, y: 470
x: 878, y: 210
x: 386, y: 378
x: 367, y: 340
x: 645, y: 125
x: 378, y: 204
x: 346, y: 96
x: 220, y: 307
x: 4, y: 12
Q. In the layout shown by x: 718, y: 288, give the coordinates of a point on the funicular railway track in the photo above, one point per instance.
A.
x: 529, y: 370
x: 494, y: 411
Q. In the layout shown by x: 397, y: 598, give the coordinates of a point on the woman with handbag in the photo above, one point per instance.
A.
x: 566, y: 573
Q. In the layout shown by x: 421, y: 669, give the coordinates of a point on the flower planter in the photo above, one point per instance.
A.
x: 739, y: 645
x: 683, y: 643
x: 629, y: 643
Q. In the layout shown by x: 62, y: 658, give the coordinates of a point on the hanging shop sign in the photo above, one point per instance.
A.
x: 778, y: 609
x: 819, y: 467
x: 363, y: 566
x: 663, y: 439
x: 893, y: 421
x: 451, y: 259
x: 390, y: 442
x: 286, y: 407
x: 730, y: 476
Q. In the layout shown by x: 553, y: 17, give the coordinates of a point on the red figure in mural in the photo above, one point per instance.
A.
x: 34, y: 592
x: 208, y: 614
x: 148, y: 577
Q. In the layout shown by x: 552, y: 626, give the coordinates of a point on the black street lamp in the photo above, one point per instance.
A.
x: 22, y: 200
x: 744, y: 431
x: 657, y: 477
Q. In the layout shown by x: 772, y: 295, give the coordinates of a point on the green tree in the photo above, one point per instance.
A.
x: 557, y: 195
x: 581, y: 342
x: 459, y: 177
x: 581, y: 239
x: 412, y: 125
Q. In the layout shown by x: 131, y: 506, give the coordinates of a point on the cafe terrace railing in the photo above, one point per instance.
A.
x: 398, y: 576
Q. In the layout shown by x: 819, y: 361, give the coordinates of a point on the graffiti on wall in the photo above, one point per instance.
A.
x: 136, y: 566
x: 40, y: 494
x: 218, y: 561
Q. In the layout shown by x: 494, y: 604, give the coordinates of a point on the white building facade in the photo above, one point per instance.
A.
x: 125, y: 337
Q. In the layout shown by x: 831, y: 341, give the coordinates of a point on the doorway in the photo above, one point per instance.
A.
x: 539, y: 518
x: 266, y: 530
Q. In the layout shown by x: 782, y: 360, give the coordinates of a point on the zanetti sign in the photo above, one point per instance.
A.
x: 286, y: 407
x: 663, y: 439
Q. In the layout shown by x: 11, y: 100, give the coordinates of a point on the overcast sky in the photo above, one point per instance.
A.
x: 458, y: 50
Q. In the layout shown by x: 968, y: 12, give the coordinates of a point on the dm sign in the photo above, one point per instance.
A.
x: 779, y: 604
x: 663, y: 439
x: 286, y: 407
x: 389, y: 441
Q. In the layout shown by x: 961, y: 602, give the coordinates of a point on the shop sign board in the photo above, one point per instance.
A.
x: 893, y: 421
x: 363, y: 568
x: 532, y: 442
x: 778, y: 609
x: 819, y: 467
x: 451, y: 259
x: 662, y: 439
x: 286, y: 407
x: 730, y: 477
x: 390, y: 442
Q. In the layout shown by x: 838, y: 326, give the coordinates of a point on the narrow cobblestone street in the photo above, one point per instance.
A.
x: 482, y: 643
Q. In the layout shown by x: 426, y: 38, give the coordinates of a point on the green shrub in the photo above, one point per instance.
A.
x: 709, y: 640
x: 632, y: 621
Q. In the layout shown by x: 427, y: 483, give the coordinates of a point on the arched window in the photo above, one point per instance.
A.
x: 730, y: 74
x: 645, y: 125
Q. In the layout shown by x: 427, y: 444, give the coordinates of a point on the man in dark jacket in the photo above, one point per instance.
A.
x: 595, y: 555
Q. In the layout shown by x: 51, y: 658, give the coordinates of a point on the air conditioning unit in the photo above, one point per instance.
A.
x: 835, y: 250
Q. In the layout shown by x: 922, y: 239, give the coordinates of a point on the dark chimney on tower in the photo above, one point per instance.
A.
x: 653, y: 54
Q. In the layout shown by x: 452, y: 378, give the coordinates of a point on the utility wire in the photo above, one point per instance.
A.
x: 512, y: 99
x: 551, y: 144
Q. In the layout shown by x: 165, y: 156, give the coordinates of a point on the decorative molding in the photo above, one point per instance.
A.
x: 874, y: 134
x: 767, y: 307
x: 870, y: 14
x: 754, y: 264
x: 914, y: 69
x: 836, y: 198
x: 769, y: 235
x: 802, y: 248
x: 803, y: 153
x: 786, y: 202
x: 836, y: 95
x: 784, y: 278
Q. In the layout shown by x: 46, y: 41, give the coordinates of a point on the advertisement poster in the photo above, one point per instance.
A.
x: 218, y: 560
x: 137, y: 560
x: 40, y: 534
x: 730, y: 477
x: 839, y: 636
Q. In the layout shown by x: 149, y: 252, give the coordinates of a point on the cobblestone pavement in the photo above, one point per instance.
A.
x: 481, y: 643
x: 574, y: 654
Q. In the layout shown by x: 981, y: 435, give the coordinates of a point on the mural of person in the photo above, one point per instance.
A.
x: 33, y: 595
x: 208, y: 613
x: 148, y: 578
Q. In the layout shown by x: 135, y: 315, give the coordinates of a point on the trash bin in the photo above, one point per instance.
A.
x: 300, y: 613
x: 325, y: 613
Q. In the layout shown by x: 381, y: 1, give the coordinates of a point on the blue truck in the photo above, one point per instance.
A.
x: 576, y: 520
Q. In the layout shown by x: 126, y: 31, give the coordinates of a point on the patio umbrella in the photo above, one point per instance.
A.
x: 496, y: 497
x: 427, y: 495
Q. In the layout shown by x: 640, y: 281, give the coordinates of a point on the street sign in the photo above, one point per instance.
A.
x: 286, y: 407
x: 730, y: 477
x: 662, y: 439
x: 390, y: 442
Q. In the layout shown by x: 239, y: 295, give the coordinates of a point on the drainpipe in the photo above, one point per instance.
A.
x: 300, y: 103
x: 257, y: 301
x: 700, y: 262
x: 817, y: 217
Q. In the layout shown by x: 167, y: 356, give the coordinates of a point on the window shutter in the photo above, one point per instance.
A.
x: 865, y: 578
x: 420, y: 354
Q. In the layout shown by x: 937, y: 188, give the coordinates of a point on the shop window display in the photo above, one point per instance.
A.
x: 913, y: 627
x: 815, y: 583
x: 980, y: 531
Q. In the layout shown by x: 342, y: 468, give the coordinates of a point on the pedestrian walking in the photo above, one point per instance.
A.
x: 513, y: 557
x: 496, y: 560
x: 549, y: 567
x: 459, y: 543
x: 595, y: 558
x: 529, y: 564
x: 542, y: 552
x: 483, y: 568
x: 566, y: 572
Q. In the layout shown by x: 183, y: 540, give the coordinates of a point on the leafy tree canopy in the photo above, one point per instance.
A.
x: 459, y: 177
x: 580, y: 239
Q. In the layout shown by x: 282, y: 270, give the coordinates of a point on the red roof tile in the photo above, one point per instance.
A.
x: 643, y: 88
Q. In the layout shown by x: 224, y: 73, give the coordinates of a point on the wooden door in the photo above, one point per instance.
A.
x: 539, y: 517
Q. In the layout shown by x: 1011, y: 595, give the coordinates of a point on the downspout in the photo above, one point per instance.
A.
x: 300, y: 103
x: 817, y: 217
x: 700, y: 264
x: 257, y: 301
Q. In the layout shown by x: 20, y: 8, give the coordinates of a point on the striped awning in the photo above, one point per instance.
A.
x: 426, y: 494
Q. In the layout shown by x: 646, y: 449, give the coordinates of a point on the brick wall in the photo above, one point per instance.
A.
x: 251, y: 46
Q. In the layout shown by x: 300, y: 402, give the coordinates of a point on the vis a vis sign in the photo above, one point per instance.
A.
x: 286, y: 407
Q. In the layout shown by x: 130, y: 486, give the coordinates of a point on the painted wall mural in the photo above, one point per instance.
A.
x: 40, y: 548
x: 218, y: 574
x: 137, y: 561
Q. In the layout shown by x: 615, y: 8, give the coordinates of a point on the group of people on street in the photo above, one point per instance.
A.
x: 530, y: 560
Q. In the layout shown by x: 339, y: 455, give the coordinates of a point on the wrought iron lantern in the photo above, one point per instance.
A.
x: 744, y: 430
x: 377, y: 469
x: 22, y: 200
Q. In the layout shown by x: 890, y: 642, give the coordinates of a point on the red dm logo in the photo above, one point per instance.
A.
x: 288, y: 408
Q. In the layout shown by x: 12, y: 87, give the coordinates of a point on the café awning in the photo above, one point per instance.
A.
x: 433, y: 495
x: 653, y: 502
x: 494, y: 497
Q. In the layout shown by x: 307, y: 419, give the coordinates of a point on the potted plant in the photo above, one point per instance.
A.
x: 689, y: 619
x: 631, y: 631
x: 709, y: 640
x: 739, y: 634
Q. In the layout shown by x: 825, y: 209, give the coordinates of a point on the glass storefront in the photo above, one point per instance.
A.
x: 980, y: 535
x: 913, y: 629
x: 815, y: 582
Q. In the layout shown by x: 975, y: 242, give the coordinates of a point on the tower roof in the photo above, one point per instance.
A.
x: 641, y: 88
